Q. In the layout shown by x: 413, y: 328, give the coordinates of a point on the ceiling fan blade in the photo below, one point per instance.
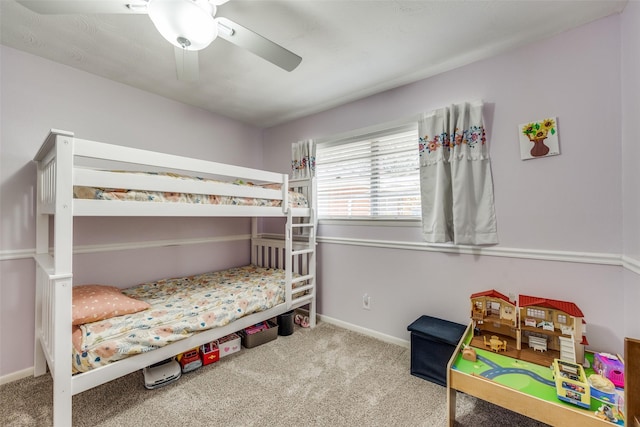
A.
x: 254, y: 42
x: 86, y: 7
x: 187, y: 67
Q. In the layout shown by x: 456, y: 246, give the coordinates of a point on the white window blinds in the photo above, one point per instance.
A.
x: 373, y: 176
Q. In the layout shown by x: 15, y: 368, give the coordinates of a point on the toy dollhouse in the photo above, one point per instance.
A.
x: 494, y: 312
x: 542, y: 323
x: 559, y: 324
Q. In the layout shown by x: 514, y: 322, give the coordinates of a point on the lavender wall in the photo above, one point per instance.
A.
x: 558, y: 206
x: 37, y: 95
x: 578, y: 202
x: 630, y: 42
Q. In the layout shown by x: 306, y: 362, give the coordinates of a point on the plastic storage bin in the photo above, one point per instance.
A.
x: 433, y: 342
x: 250, y: 340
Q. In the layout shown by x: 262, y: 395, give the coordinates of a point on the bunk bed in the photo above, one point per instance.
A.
x: 76, y: 177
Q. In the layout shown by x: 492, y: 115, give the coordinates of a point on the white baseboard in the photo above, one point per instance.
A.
x: 365, y: 331
x: 15, y: 376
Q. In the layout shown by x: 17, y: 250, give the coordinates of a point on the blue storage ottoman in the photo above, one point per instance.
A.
x: 433, y: 342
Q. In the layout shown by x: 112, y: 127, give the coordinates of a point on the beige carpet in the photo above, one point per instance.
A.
x: 325, y: 376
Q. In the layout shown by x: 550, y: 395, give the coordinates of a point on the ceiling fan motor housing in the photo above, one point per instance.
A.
x: 188, y: 24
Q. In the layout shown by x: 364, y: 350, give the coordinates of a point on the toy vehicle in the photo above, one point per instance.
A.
x: 161, y: 373
x: 190, y: 360
x: 571, y: 383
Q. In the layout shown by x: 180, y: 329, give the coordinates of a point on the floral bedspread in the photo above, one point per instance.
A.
x: 179, y: 308
x: 296, y: 199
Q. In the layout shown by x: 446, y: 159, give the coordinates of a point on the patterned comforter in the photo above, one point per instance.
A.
x: 179, y: 308
x: 296, y: 199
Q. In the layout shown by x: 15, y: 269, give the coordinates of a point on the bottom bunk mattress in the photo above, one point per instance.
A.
x: 179, y: 308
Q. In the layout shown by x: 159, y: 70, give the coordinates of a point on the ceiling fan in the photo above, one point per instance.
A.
x: 189, y: 25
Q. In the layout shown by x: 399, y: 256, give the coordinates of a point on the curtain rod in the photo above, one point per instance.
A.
x: 396, y: 123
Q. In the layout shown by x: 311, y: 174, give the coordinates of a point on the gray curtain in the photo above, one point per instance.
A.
x: 455, y: 177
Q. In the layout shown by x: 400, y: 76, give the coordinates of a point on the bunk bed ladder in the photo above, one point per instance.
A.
x: 295, y: 252
x: 300, y: 250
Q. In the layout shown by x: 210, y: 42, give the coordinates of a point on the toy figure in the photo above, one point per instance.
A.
x: 606, y: 413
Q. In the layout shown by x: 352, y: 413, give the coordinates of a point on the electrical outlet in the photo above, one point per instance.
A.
x: 366, y: 302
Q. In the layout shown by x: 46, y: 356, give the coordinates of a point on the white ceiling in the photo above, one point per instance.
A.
x: 350, y: 48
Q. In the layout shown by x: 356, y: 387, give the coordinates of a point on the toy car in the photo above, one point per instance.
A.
x: 161, y: 373
x: 190, y: 360
x: 571, y: 383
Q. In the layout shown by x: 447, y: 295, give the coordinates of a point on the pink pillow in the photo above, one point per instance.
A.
x: 98, y: 302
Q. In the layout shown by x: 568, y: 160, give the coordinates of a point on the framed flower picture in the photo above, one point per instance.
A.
x: 539, y: 139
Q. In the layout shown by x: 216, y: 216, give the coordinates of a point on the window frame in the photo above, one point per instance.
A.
x: 362, y: 135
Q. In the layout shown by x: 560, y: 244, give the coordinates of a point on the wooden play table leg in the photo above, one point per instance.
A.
x: 451, y: 406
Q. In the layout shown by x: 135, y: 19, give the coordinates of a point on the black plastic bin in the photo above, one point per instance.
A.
x: 285, y: 323
x: 433, y: 342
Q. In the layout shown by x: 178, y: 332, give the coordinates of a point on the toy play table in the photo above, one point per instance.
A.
x: 555, y: 413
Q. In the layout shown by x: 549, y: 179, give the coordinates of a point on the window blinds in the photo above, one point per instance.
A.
x: 372, y: 176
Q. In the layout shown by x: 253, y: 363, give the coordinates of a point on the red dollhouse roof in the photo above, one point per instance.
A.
x: 492, y: 293
x: 584, y: 341
x: 568, y: 307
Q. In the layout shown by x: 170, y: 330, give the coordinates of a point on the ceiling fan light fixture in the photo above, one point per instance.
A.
x: 188, y: 24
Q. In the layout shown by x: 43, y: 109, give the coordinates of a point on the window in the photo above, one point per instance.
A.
x: 562, y: 318
x: 533, y: 312
x: 373, y: 176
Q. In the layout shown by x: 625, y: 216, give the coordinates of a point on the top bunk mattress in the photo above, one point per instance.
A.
x: 296, y: 199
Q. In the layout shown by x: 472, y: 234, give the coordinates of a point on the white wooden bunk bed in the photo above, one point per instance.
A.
x: 62, y: 167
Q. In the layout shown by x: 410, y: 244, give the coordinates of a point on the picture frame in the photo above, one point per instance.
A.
x: 539, y: 138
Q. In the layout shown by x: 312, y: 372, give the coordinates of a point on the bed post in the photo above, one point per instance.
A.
x: 254, y: 236
x: 62, y: 283
x: 42, y: 250
x: 54, y: 273
x: 288, y: 258
x: 313, y: 259
x: 313, y: 220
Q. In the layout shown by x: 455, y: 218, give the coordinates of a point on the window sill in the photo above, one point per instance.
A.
x: 404, y: 222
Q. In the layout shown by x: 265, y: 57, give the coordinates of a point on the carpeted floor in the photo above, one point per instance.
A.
x: 326, y: 376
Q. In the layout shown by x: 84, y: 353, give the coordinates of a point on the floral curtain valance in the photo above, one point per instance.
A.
x: 456, y: 132
x: 455, y: 177
x: 303, y: 159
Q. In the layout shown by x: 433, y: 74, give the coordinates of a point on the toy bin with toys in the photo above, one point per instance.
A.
x: 210, y: 353
x: 229, y: 344
x: 259, y: 333
x: 609, y: 366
